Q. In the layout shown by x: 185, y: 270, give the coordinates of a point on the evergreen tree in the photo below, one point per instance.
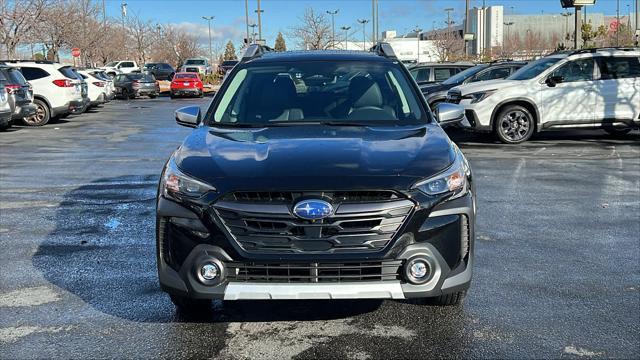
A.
x: 230, y: 52
x: 280, y: 45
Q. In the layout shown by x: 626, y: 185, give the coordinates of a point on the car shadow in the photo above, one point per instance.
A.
x: 547, y: 138
x: 102, y: 250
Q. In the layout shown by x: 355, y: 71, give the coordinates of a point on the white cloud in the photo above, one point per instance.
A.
x: 218, y: 32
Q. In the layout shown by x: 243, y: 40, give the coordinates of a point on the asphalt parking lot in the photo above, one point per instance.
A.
x: 557, y: 270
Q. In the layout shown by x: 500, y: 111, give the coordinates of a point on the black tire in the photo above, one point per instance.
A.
x: 125, y: 94
x: 4, y: 127
x: 152, y: 96
x: 617, y: 132
x: 172, y: 96
x: 189, y: 305
x: 42, y: 116
x: 514, y: 124
x: 452, y: 299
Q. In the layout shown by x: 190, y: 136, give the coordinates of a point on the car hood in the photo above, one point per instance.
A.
x: 485, y: 85
x: 433, y: 88
x: 315, y: 157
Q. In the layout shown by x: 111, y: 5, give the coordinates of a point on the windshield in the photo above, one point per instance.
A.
x: 112, y: 64
x: 534, y: 69
x: 463, y: 75
x: 229, y: 62
x: 319, y: 92
x: 194, y: 62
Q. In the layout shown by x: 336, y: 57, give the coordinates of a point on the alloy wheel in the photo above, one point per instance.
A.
x: 515, y: 125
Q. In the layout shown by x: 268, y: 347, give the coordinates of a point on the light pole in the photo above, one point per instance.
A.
x: 209, y: 18
x: 618, y: 22
x: 246, y: 20
x: 508, y: 25
x: 448, y: 10
x: 123, y: 9
x: 417, y: 30
x: 566, y: 24
x: 259, y: 21
x: 346, y: 36
x: 333, y: 26
x: 253, y: 32
x: 364, y: 33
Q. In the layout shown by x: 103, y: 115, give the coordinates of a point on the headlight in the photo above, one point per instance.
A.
x: 453, y: 180
x: 175, y: 182
x: 478, y: 96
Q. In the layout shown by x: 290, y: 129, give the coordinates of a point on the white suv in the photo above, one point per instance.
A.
x: 591, y: 88
x: 56, y: 89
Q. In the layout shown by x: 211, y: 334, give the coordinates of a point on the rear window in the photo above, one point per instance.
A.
x: 195, y: 62
x: 15, y: 77
x: 31, y: 73
x: 67, y: 71
x: 134, y: 76
x: 185, y: 76
x: 148, y: 77
x: 618, y: 67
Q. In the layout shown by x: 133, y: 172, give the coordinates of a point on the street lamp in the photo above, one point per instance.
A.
x: 209, y: 18
x: 333, y: 26
x: 364, y: 32
x: 448, y: 10
x: 417, y: 30
x: 259, y: 12
x: 346, y: 36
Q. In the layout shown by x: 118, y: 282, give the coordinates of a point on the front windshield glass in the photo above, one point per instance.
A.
x: 194, y: 62
x: 461, y: 76
x: 534, y: 69
x: 112, y: 64
x: 347, y: 92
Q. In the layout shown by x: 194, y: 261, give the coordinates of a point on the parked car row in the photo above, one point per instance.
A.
x: 39, y: 91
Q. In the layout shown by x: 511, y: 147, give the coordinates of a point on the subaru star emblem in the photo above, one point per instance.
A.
x: 313, y: 209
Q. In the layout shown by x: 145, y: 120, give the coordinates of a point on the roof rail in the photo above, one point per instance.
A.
x: 384, y: 49
x: 592, y: 50
x: 254, y: 51
x: 499, y: 61
x: 14, y: 61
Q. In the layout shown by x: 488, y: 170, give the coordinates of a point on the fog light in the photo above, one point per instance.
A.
x: 209, y: 271
x: 418, y: 270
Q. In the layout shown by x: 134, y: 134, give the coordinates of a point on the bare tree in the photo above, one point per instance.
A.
x: 448, y: 46
x: 314, y: 32
x: 17, y: 20
x: 141, y: 34
x: 57, y: 26
x: 533, y: 44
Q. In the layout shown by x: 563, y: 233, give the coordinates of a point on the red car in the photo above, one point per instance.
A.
x: 186, y: 84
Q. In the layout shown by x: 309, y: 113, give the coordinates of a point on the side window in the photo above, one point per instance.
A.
x: 618, y: 67
x: 442, y: 74
x: 421, y: 74
x: 120, y: 78
x: 577, y: 70
x: 126, y: 64
x: 31, y: 73
x: 492, y: 74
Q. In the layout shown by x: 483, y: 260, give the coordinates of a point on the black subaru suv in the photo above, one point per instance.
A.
x: 316, y: 175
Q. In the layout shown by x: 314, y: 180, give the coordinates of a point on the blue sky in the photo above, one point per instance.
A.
x: 281, y: 15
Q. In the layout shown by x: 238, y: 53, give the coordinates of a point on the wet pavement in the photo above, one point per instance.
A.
x: 557, y: 270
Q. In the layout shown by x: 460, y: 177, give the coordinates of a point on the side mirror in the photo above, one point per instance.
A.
x: 554, y: 80
x: 188, y: 116
x: 448, y: 114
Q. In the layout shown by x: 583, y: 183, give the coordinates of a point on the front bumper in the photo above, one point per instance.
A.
x: 434, y: 237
